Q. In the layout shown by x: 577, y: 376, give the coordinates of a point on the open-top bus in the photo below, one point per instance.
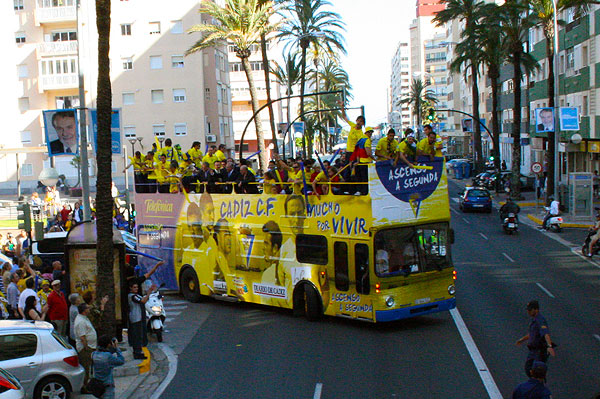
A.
x: 377, y: 257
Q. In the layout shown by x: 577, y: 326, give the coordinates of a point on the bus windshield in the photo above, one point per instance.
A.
x: 403, y: 251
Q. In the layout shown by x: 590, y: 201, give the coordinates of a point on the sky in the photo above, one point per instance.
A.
x: 373, y: 30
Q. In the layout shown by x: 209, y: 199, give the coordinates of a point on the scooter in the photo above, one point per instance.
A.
x: 510, y: 224
x: 155, y: 313
x: 554, y: 223
x: 586, y: 245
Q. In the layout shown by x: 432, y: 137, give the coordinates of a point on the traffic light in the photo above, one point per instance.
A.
x: 24, y: 216
x: 431, y: 114
x: 491, y: 158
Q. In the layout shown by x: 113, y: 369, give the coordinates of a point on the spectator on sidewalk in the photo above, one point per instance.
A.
x: 136, y: 334
x: 74, y: 300
x: 5, y: 276
x: 31, y: 312
x: 106, y: 358
x: 27, y: 292
x: 12, y: 294
x: 57, y: 270
x: 44, y: 292
x: 58, y: 312
x: 86, y: 339
x: 96, y: 315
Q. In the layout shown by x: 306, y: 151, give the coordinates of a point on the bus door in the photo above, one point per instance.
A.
x: 351, y: 277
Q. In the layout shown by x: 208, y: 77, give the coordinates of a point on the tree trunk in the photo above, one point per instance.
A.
x: 289, y: 118
x: 552, y: 136
x: 267, y: 70
x: 478, y: 155
x: 302, y: 83
x: 515, y: 189
x: 260, y: 138
x: 104, y: 200
x: 495, y: 120
x: 418, y: 129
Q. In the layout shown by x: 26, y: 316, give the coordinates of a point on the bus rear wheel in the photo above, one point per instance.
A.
x: 189, y: 285
x: 313, y: 307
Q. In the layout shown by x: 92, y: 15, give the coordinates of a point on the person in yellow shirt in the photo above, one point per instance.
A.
x: 294, y: 176
x: 149, y: 172
x: 407, y: 151
x: 388, y: 147
x: 173, y: 177
x: 43, y: 293
x: 355, y: 131
x: 211, y: 157
x: 195, y: 154
x: 363, y: 152
x: 161, y: 169
x: 167, y: 150
x: 220, y: 152
x: 430, y: 146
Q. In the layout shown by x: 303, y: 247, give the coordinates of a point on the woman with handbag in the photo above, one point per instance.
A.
x: 104, y: 360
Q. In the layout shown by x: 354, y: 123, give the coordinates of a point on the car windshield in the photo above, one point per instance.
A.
x: 407, y: 250
x: 475, y: 193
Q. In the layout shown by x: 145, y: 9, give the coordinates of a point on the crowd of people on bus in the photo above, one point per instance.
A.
x: 169, y: 169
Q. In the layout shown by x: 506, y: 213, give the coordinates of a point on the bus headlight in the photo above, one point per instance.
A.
x: 451, y: 289
x: 389, y: 301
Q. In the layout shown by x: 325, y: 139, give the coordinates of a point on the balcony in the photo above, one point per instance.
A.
x: 53, y: 49
x: 48, y: 15
x: 58, y: 82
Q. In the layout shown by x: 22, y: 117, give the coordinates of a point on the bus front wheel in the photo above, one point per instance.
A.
x: 312, y: 303
x: 189, y: 285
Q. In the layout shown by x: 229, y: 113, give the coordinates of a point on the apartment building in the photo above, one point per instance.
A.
x: 161, y: 92
x: 400, y: 114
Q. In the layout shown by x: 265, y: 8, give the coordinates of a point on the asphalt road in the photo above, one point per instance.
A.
x: 242, y: 350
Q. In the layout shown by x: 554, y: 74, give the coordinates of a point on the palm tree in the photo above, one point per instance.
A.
x: 467, y: 55
x: 104, y: 200
x: 288, y: 76
x: 515, y: 22
x: 310, y: 25
x: 544, y: 11
x: 241, y: 23
x: 489, y: 40
x: 418, y: 96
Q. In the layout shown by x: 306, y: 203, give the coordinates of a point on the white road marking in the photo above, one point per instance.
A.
x: 174, y: 313
x: 597, y: 337
x: 176, y: 302
x: 454, y: 210
x: 455, y: 200
x: 508, y: 257
x: 318, y: 389
x: 482, y: 369
x: 577, y: 251
x: 169, y: 319
x: 172, y: 358
x: 180, y: 307
x: 545, y: 290
x: 466, y: 221
x: 483, y: 235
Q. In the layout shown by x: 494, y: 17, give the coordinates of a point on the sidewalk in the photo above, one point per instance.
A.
x: 529, y: 208
x: 138, y: 379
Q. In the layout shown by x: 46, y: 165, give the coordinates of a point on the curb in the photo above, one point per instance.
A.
x: 172, y: 359
x: 144, y: 365
x: 572, y: 225
x: 139, y: 379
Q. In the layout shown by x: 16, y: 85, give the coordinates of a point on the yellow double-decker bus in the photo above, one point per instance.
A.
x: 377, y: 257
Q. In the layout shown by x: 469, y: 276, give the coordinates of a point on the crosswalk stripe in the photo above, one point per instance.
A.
x: 176, y: 302
x: 174, y: 313
x: 180, y: 307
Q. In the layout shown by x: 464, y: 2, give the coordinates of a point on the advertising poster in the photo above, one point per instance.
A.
x: 569, y: 119
x: 61, y: 129
x: 115, y: 129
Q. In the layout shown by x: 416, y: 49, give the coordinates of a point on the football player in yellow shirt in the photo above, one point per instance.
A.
x: 195, y: 154
x: 210, y: 156
x: 387, y: 148
x: 355, y: 131
x: 431, y: 145
x: 407, y: 151
x: 220, y: 152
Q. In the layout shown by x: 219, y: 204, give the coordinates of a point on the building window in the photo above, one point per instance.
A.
x: 24, y: 104
x: 20, y: 37
x: 129, y: 132
x: 64, y: 36
x: 179, y: 95
x: 181, y: 129
x: 256, y: 66
x: 570, y: 59
x: 25, y: 137
x: 125, y: 29
x: 245, y: 148
x: 66, y: 102
x: 18, y: 5
x: 177, y: 61
x: 27, y: 170
x: 235, y: 67
x: 158, y: 130
x: 158, y: 97
x: 207, y: 94
x: 128, y: 98
x: 127, y: 64
x: 22, y: 71
x: 176, y: 27
x: 156, y: 62
x: 154, y: 28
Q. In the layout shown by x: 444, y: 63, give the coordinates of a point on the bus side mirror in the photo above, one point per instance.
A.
x: 451, y: 236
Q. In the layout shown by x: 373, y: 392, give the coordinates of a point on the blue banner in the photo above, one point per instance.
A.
x: 115, y: 130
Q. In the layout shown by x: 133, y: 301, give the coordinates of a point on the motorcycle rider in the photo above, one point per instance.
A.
x: 554, y: 211
x: 596, y: 236
x: 509, y: 207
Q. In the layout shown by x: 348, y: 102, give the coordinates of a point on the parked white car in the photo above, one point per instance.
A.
x: 10, y: 387
x: 45, y: 364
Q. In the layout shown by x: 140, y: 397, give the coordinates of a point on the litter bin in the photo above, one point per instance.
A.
x: 466, y: 170
x: 457, y: 171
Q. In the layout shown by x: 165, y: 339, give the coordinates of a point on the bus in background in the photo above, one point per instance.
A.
x: 378, y: 257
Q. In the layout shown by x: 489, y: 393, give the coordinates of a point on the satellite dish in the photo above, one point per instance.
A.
x: 576, y: 138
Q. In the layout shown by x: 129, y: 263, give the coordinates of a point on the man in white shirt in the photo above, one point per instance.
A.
x: 554, y: 211
x: 85, y: 339
x: 27, y: 292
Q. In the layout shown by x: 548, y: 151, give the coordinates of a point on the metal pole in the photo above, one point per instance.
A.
x: 18, y: 177
x: 556, y: 105
x: 83, y: 149
x: 125, y: 165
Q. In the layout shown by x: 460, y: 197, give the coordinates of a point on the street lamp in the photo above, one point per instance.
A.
x: 160, y: 140
x: 140, y: 140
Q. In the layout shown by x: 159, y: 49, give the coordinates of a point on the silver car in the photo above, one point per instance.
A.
x: 10, y: 388
x: 45, y: 364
